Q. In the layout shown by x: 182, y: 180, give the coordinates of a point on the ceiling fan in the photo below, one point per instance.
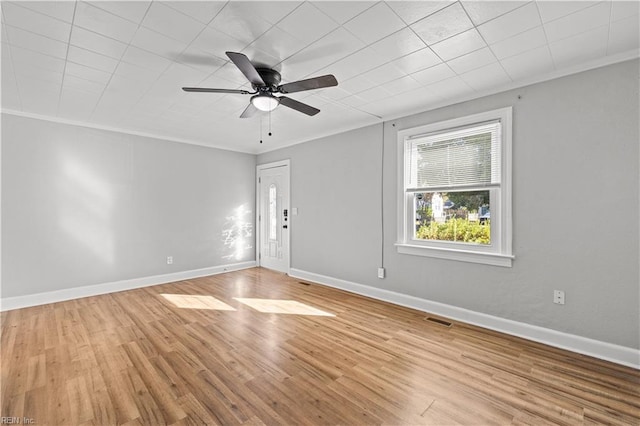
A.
x: 265, y: 83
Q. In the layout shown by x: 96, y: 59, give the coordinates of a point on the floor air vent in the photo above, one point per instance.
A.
x: 303, y: 283
x: 438, y: 321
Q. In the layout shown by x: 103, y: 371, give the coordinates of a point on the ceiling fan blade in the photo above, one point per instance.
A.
x: 309, y: 84
x: 247, y: 68
x: 249, y: 111
x: 207, y: 90
x: 298, y: 106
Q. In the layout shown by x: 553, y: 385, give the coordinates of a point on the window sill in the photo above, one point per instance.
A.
x: 493, y: 259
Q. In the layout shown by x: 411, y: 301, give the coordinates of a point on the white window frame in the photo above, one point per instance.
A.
x: 499, y: 252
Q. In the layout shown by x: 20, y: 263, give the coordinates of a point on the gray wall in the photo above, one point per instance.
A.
x: 576, y: 195
x: 82, y: 206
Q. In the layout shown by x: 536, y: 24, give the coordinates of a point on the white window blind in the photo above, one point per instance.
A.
x: 460, y: 158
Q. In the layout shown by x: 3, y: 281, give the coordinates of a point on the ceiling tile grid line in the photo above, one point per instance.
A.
x: 123, y: 63
x: 66, y: 59
x: 106, y: 86
x: 11, y: 65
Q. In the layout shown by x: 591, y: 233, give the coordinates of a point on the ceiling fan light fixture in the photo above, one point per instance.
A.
x: 265, y: 102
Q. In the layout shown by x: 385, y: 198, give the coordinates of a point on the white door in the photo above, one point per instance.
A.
x: 273, y: 216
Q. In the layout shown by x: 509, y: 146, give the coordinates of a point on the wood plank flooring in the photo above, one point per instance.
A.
x: 190, y: 353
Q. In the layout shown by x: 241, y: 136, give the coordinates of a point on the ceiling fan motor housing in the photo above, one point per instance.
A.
x: 271, y: 79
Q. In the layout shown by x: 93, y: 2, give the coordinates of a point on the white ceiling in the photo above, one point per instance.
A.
x: 121, y: 64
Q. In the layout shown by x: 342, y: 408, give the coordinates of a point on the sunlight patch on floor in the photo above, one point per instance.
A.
x: 190, y: 301
x: 275, y: 306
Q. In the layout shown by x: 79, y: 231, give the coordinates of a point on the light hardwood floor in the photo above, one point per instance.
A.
x: 198, y: 355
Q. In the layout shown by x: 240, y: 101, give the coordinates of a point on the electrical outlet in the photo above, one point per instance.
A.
x: 558, y: 297
x: 169, y: 260
x: 380, y: 272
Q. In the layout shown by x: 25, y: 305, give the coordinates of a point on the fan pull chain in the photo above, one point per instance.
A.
x: 269, y: 123
x: 260, y: 129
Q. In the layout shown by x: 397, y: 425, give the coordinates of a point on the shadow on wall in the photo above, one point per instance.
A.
x: 237, y: 234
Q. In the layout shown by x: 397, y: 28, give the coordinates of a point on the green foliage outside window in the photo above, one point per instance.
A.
x: 457, y: 229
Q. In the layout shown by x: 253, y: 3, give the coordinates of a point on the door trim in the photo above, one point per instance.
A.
x: 259, y: 168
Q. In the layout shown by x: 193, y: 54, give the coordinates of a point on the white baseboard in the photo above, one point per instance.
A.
x: 607, y: 351
x: 9, y: 303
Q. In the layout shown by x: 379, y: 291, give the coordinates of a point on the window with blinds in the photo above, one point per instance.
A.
x: 462, y: 158
x: 455, y: 188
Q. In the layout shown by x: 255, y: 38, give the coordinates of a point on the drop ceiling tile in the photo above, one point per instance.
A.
x: 201, y: 60
x: 412, y: 11
x: 6, y: 62
x: 235, y: 21
x: 472, y: 60
x: 35, y: 22
x: 173, y: 24
x: 355, y: 64
x: 62, y: 10
x: 137, y: 73
x: 276, y: 43
x: 76, y: 104
x: 87, y: 73
x: 10, y: 96
x: 434, y: 74
x: 357, y: 84
x: 550, y: 10
x: 144, y: 59
x: 91, y: 59
x: 353, y: 101
x: 100, y: 21
x: 417, y: 61
x: 38, y: 82
x: 535, y: 62
x: 450, y: 89
x: 217, y: 43
x: 97, y: 43
x: 520, y: 43
x: 75, y: 83
x: 384, y: 74
x: 443, y: 24
x: 510, y: 24
x: 343, y: 11
x: 319, y: 55
x: 488, y: 77
x: 31, y: 41
x: 133, y: 11
x: 28, y: 57
x: 270, y: 11
x: 578, y: 22
x: 375, y: 23
x: 157, y: 43
x: 624, y: 9
x: 28, y: 73
x: 112, y: 109
x: 307, y: 23
x: 178, y: 75
x: 402, y: 104
x: 202, y: 11
x: 129, y: 87
x: 459, y: 45
x: 398, y: 44
x: 229, y: 72
x: 375, y: 94
x: 623, y: 35
x: 483, y: 11
x: 336, y: 93
x: 580, y: 48
x: 402, y: 85
x: 38, y: 100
